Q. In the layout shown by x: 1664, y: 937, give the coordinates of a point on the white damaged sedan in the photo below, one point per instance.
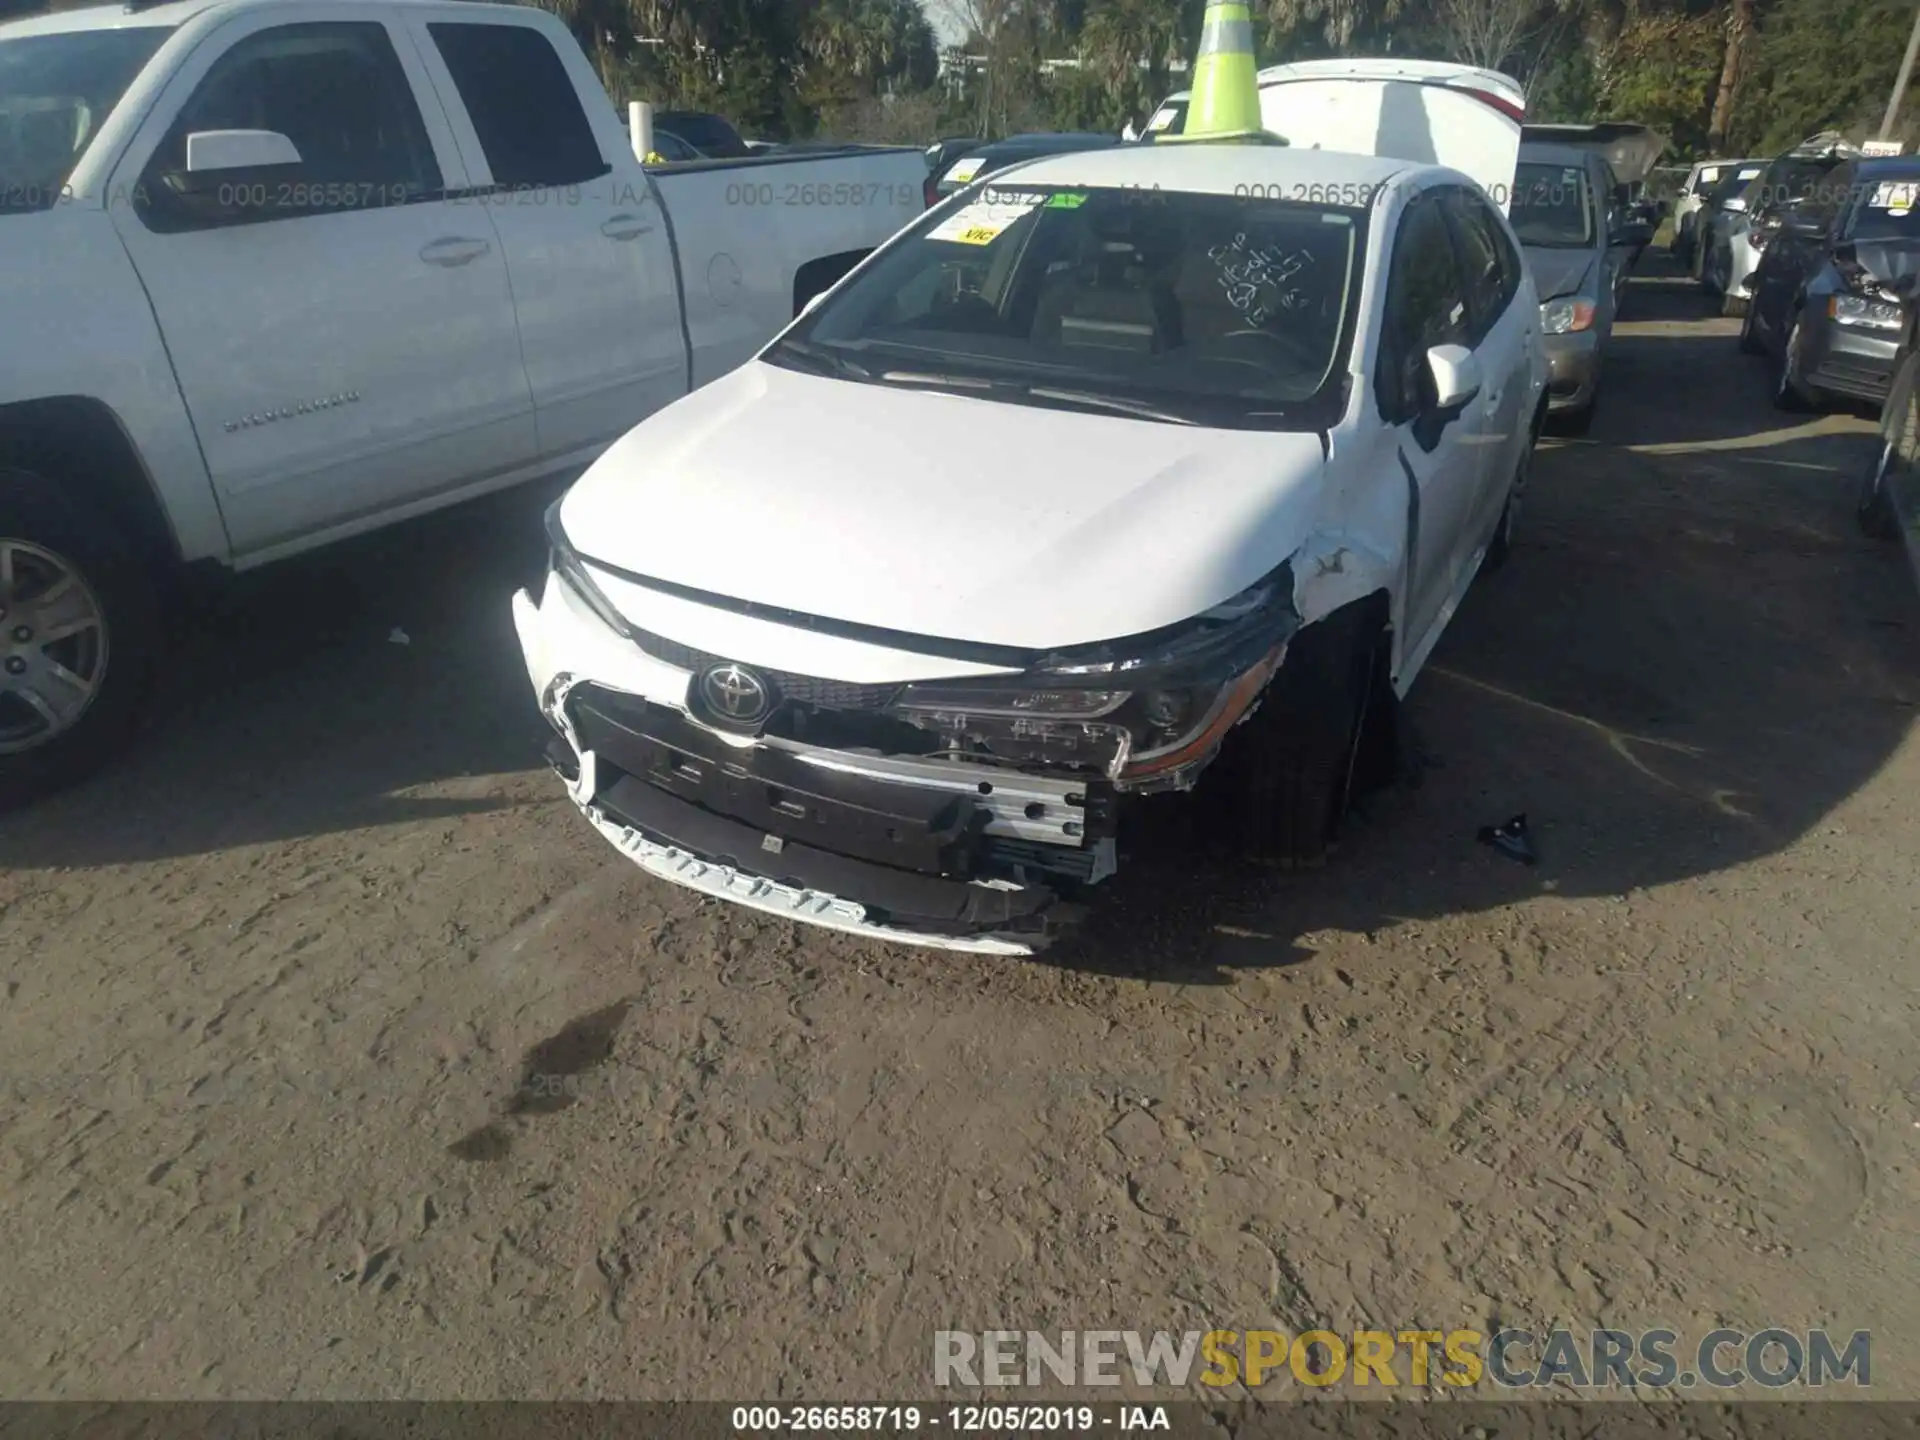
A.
x: 1134, y: 470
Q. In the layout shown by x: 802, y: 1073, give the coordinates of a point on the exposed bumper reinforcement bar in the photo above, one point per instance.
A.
x: 684, y: 845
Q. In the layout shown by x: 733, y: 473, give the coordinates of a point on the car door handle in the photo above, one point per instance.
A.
x: 454, y: 250
x: 625, y: 227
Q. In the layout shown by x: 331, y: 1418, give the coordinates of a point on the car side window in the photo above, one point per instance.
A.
x: 1426, y: 306
x: 523, y: 104
x: 335, y: 89
x: 1490, y: 276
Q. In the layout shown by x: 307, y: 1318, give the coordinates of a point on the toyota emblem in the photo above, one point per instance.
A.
x: 735, y: 694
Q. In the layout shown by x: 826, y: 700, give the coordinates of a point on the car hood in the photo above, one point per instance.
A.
x: 1892, y: 263
x: 940, y: 515
x: 1558, y: 272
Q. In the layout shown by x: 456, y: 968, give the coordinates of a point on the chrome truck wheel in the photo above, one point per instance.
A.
x: 78, y: 634
x: 53, y: 645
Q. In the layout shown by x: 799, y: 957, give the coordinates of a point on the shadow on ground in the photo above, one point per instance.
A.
x: 1691, y: 661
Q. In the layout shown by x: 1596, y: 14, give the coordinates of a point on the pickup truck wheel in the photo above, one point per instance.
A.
x: 78, y: 634
x: 1295, y: 760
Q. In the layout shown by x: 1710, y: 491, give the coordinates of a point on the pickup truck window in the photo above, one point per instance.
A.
x: 1211, y: 309
x: 524, y: 107
x: 338, y: 91
x: 55, y: 93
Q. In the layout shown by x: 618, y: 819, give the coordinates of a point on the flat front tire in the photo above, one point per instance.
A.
x: 78, y: 637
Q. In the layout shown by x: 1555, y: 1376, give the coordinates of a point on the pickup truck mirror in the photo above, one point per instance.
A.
x: 1455, y: 374
x: 222, y: 157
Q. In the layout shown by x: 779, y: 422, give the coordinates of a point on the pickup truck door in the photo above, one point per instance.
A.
x: 587, y: 245
x: 1442, y: 459
x: 342, y: 329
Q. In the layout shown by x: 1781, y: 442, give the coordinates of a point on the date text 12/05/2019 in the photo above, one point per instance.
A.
x: 992, y: 1419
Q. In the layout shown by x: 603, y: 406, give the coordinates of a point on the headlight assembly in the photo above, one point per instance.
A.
x: 1140, y: 707
x: 564, y: 563
x: 1567, y: 316
x: 1868, y: 313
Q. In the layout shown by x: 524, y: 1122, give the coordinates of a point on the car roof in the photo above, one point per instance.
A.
x: 1210, y: 169
x: 1050, y: 141
x: 1889, y: 167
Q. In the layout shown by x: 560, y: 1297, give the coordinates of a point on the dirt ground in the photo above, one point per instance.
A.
x: 269, y: 989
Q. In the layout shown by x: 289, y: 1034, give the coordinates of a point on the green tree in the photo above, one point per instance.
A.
x: 1823, y: 65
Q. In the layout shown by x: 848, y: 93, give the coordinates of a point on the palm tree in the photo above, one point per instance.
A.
x: 1120, y: 36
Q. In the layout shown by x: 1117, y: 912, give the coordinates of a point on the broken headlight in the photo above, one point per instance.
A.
x: 566, y: 564
x: 1139, y: 707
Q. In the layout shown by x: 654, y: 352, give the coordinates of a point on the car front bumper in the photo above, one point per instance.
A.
x: 1849, y: 360
x: 786, y: 829
x: 1573, y: 370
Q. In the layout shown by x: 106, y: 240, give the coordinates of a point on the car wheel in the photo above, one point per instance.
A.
x: 1789, y: 392
x: 1749, y: 333
x: 1292, y: 771
x: 78, y: 636
x: 1501, y: 549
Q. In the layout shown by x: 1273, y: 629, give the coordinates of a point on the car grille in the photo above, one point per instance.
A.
x: 805, y: 689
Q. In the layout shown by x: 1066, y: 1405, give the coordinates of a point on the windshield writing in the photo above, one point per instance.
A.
x: 1208, y: 308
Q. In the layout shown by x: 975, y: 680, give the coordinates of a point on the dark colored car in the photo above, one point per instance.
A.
x: 711, y: 135
x: 1829, y: 296
x: 942, y: 153
x: 1738, y: 238
x: 986, y: 159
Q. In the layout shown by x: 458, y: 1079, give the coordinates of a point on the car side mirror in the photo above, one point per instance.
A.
x: 1454, y: 373
x: 227, y: 157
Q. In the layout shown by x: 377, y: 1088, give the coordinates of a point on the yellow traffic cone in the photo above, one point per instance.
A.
x: 1225, y: 103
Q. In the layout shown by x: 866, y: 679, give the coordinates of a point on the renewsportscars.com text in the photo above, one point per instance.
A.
x: 1511, y: 1359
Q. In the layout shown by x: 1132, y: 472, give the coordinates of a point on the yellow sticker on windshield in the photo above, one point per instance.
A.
x: 965, y: 170
x: 982, y: 222
x: 1162, y: 120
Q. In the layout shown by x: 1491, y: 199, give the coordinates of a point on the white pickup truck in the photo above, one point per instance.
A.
x: 276, y: 272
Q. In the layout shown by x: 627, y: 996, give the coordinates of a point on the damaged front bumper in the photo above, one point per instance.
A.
x: 912, y: 850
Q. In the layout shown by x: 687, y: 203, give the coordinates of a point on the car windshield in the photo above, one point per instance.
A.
x: 707, y: 133
x: 1734, y: 184
x: 1889, y: 210
x: 1169, y: 119
x: 1551, y: 206
x: 1171, y: 306
x: 1786, y: 180
x: 56, y: 91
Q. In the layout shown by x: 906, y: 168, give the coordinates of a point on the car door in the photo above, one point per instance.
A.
x: 1502, y: 337
x: 586, y: 241
x: 1441, y: 457
x: 314, y: 318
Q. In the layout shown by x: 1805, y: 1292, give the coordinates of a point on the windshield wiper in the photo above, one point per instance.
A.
x: 1138, y: 409
x: 821, y: 356
x: 937, y: 382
